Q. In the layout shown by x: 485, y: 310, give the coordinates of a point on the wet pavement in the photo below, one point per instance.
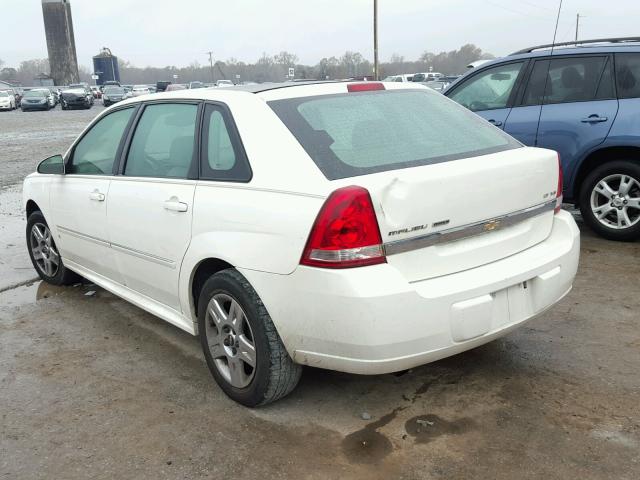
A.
x: 26, y: 138
x: 93, y: 387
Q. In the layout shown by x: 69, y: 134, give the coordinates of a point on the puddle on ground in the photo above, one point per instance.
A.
x: 425, y: 428
x: 368, y: 445
x: 39, y: 290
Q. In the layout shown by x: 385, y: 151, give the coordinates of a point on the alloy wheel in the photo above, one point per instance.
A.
x: 230, y: 340
x: 615, y: 201
x: 44, y: 250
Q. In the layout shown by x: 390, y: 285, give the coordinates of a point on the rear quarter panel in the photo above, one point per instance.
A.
x: 249, y: 228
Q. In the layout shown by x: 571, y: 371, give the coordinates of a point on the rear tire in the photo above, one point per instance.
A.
x: 227, y: 343
x: 610, y: 200
x: 44, y: 253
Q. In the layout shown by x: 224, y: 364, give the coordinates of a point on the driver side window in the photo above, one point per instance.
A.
x: 490, y: 89
x: 96, y: 152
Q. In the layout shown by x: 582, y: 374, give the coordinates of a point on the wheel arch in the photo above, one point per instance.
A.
x: 600, y: 157
x: 31, y: 206
x: 199, y: 274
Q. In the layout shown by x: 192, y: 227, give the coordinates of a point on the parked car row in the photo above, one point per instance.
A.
x: 434, y: 80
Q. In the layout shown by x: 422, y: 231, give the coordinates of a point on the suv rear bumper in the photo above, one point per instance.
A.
x: 370, y: 320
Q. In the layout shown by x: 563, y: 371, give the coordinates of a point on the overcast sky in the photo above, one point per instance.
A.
x: 178, y: 32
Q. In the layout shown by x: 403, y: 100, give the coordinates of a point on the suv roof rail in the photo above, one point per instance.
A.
x: 579, y: 42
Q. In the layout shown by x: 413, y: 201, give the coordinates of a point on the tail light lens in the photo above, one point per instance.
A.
x: 559, y: 190
x: 345, y: 233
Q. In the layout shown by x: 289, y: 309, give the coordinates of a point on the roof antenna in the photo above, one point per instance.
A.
x: 546, y: 77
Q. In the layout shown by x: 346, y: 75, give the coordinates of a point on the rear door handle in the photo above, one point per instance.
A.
x: 175, y: 206
x: 497, y: 123
x: 96, y: 196
x: 594, y: 119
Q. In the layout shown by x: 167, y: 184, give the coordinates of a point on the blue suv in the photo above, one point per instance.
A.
x: 582, y: 100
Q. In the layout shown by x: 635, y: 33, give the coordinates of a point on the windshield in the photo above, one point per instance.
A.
x: 360, y: 133
x: 4, y: 94
x: 34, y: 93
x: 76, y: 85
x: 114, y: 91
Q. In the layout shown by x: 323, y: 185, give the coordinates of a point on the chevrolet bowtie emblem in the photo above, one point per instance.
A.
x: 492, y: 225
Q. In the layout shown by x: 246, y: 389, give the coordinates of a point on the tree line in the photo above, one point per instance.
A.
x: 268, y: 68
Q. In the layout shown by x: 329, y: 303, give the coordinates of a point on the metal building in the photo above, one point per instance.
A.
x: 58, y: 26
x: 105, y: 66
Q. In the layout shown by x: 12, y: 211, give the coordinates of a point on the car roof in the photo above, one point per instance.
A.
x: 266, y: 91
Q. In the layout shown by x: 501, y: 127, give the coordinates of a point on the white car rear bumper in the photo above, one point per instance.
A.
x: 370, y: 320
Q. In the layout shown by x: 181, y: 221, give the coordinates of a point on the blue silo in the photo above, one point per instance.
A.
x: 105, y: 65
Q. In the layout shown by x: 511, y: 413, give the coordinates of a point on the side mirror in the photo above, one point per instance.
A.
x: 52, y: 165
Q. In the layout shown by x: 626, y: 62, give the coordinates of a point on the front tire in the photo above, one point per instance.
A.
x: 610, y: 200
x: 44, y: 252
x: 240, y: 343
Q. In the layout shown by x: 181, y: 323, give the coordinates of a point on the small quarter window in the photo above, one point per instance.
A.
x: 223, y: 157
x: 628, y: 75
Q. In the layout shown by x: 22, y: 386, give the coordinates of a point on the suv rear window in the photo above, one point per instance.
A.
x: 361, y: 133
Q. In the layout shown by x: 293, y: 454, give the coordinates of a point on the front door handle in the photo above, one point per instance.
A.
x: 96, y: 196
x: 497, y: 123
x: 595, y: 118
x: 174, y: 205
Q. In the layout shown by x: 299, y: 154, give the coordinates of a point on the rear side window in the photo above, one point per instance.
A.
x: 628, y: 75
x: 223, y: 157
x: 360, y: 133
x: 163, y: 142
x: 567, y: 80
x: 96, y: 152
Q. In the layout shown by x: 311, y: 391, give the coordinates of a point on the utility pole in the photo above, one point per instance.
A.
x: 375, y: 40
x: 211, y: 64
x: 577, y: 25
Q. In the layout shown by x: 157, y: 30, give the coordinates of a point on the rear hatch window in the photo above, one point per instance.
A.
x: 355, y: 134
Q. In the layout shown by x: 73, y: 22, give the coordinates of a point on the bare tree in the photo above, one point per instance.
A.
x: 286, y: 59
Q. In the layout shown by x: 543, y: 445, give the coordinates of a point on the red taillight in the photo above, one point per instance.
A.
x: 345, y: 233
x: 364, y: 87
x: 559, y: 190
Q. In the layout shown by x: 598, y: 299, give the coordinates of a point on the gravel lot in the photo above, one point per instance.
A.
x: 28, y: 137
x: 93, y: 387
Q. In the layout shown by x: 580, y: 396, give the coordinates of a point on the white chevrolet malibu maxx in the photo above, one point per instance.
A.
x: 361, y: 227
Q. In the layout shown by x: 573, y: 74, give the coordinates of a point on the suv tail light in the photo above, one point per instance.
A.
x: 559, y: 190
x: 345, y: 233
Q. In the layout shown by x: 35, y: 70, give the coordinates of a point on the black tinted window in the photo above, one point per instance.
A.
x: 568, y: 80
x: 96, y: 152
x: 573, y: 79
x: 223, y: 157
x: 628, y: 75
x: 163, y: 142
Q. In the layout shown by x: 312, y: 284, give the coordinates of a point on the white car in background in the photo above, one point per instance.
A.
x: 398, y: 78
x: 224, y: 83
x: 7, y: 100
x: 139, y: 90
x: 361, y: 227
